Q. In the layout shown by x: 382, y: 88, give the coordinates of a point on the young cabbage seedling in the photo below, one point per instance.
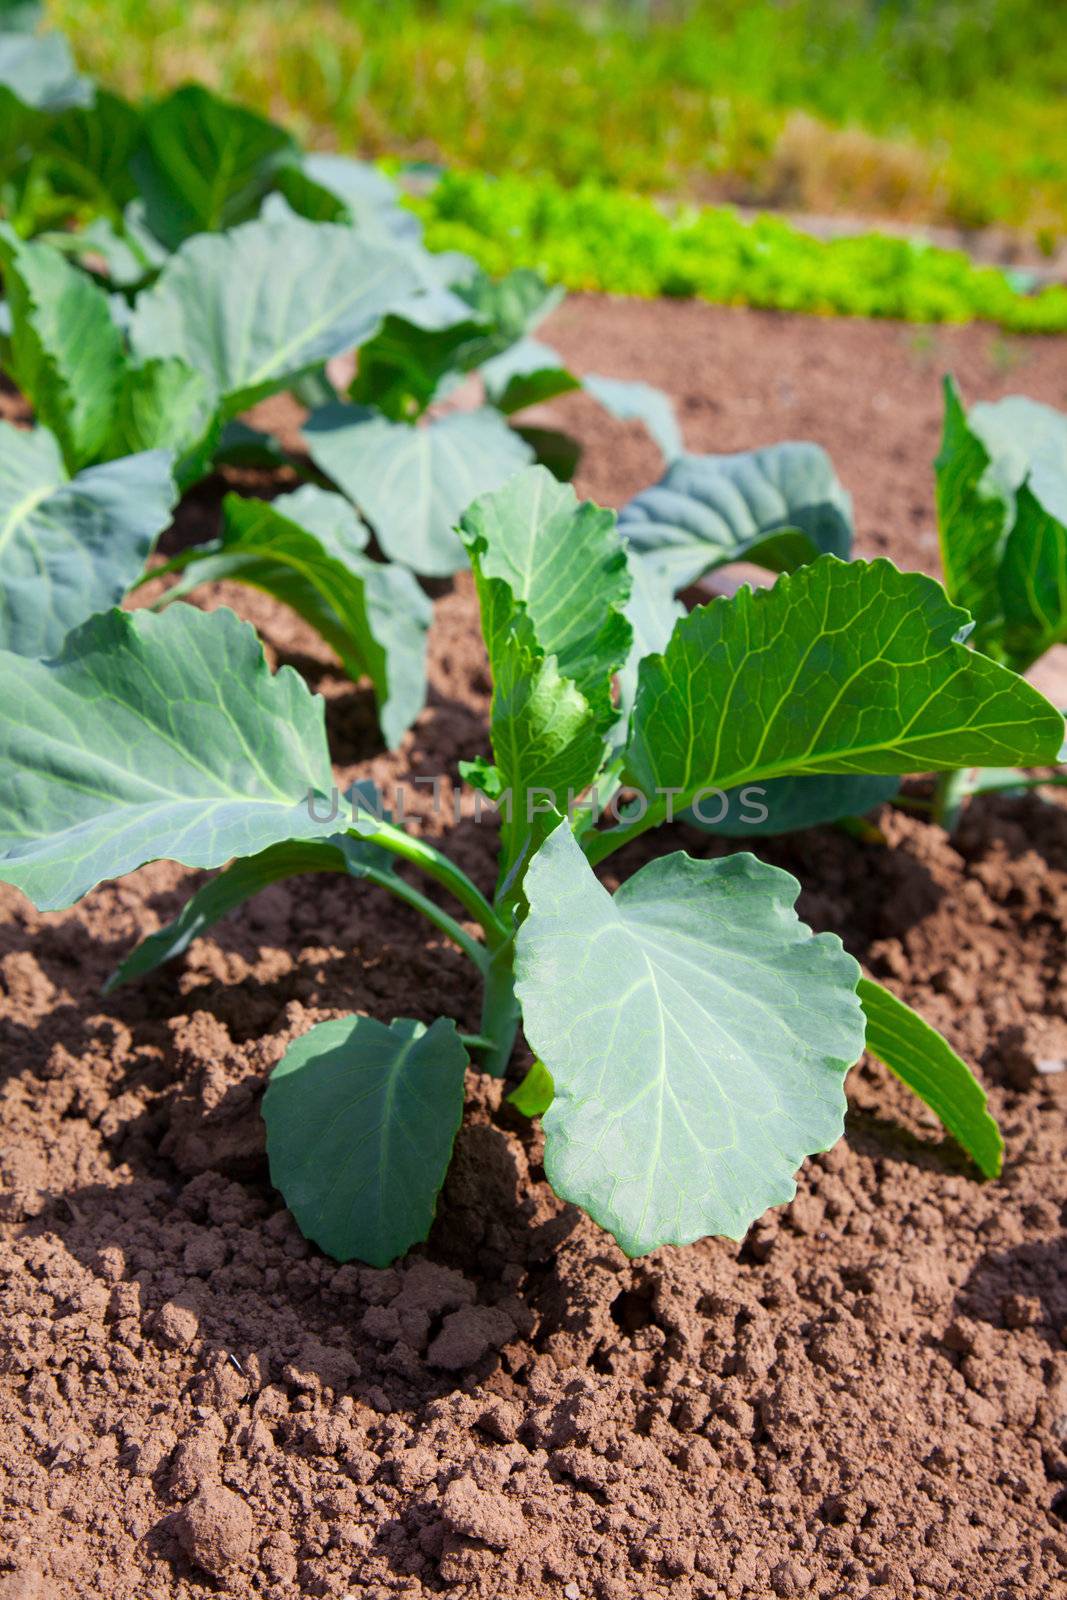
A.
x: 692, y: 1035
x: 1002, y: 516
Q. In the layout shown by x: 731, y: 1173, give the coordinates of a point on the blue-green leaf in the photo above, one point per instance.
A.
x: 255, y: 308
x: 147, y: 737
x: 779, y: 507
x: 71, y: 546
x: 413, y: 483
x: 39, y: 71
x: 697, y: 1035
x: 361, y: 1119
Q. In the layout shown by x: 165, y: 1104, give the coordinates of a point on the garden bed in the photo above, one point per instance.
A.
x: 869, y: 1395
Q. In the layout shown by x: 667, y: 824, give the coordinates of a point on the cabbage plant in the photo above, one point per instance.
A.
x: 691, y: 1035
x: 1002, y: 518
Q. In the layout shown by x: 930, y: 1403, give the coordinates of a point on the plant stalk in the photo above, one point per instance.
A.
x: 494, y: 959
x: 500, y: 1009
x: 437, y: 866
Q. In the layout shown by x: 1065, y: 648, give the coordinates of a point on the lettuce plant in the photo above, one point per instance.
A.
x: 691, y: 1035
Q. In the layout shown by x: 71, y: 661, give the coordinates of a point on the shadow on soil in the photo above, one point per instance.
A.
x: 1028, y: 1281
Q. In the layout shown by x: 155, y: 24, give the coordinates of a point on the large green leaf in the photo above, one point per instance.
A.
x: 697, y: 1035
x: 71, y: 546
x: 66, y: 350
x: 413, y: 483
x: 779, y: 805
x: 839, y: 668
x: 205, y: 164
x: 361, y: 1119
x: 779, y: 507
x: 148, y: 737
x: 306, y: 549
x: 553, y: 583
x: 255, y: 308
x: 359, y: 858
x: 921, y: 1058
x: 88, y: 151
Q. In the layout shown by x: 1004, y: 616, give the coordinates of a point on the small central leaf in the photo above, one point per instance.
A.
x: 552, y: 582
x: 66, y: 352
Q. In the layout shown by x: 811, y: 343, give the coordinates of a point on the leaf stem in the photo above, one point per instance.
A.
x: 476, y: 1041
x: 500, y: 1009
x: 437, y: 866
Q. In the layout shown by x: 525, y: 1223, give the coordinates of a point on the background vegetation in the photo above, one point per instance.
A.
x: 935, y: 110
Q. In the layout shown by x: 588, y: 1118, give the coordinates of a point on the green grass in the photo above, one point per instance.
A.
x: 594, y: 238
x: 926, y: 109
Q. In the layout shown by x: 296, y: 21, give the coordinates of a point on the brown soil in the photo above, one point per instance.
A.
x: 868, y: 1397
